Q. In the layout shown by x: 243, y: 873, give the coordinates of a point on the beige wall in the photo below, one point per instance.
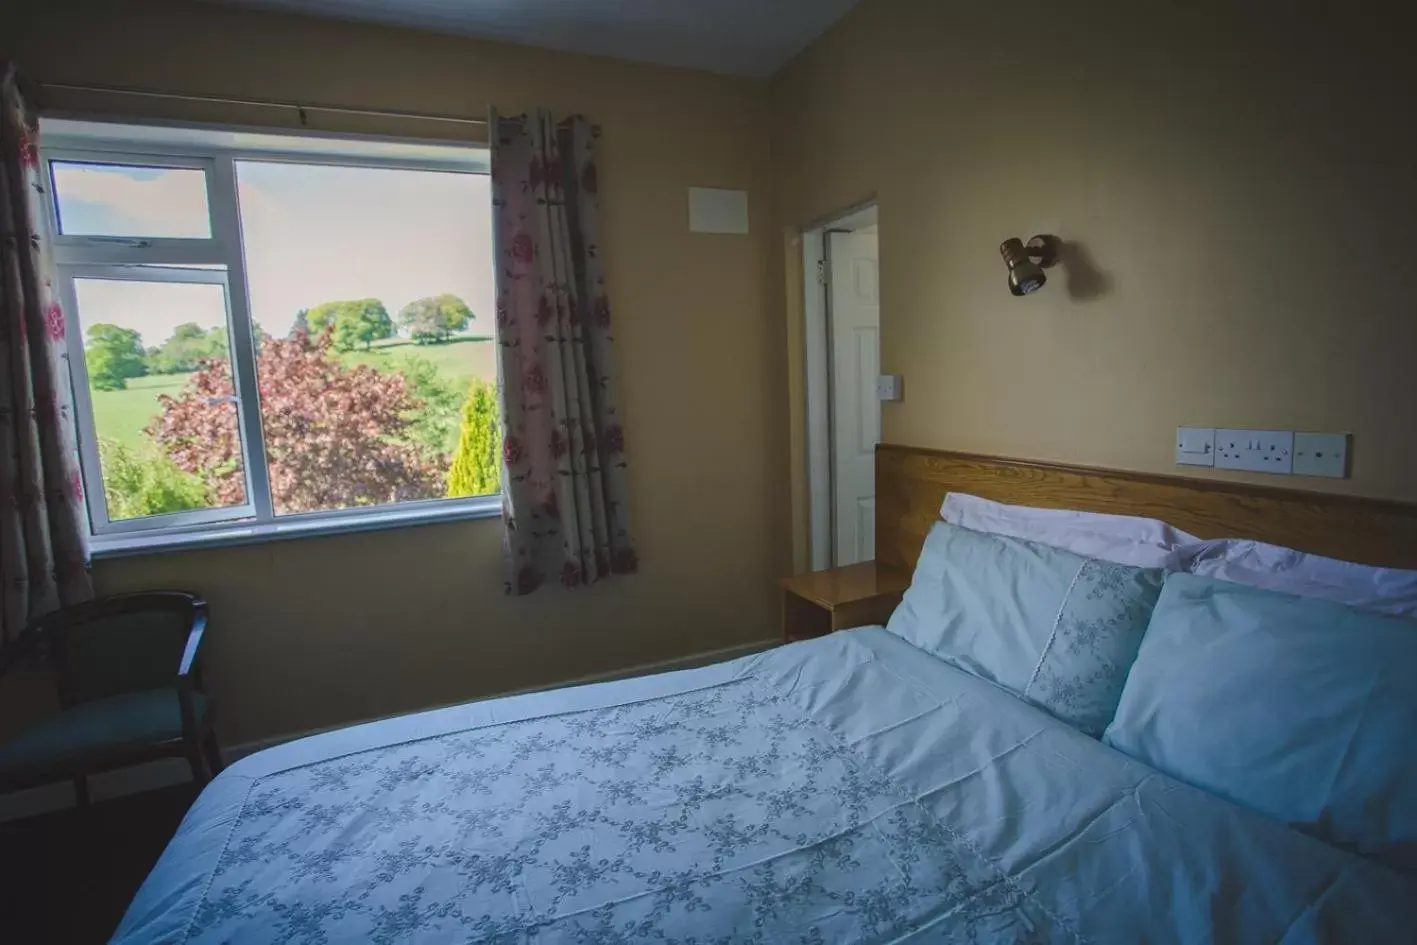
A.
x: 322, y: 631
x: 1245, y: 191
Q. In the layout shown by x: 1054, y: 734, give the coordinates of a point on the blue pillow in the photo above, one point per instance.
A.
x: 1058, y: 629
x: 1298, y: 708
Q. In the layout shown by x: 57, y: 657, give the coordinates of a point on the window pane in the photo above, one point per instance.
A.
x: 373, y: 291
x: 164, y: 408
x: 126, y: 200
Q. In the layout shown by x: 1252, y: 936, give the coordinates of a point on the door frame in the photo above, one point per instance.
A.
x: 816, y: 298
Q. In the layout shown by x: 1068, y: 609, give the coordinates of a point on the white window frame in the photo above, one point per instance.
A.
x: 97, y: 250
x: 100, y: 523
x: 150, y: 259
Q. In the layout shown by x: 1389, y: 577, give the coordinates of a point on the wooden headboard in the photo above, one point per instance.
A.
x: 911, y: 484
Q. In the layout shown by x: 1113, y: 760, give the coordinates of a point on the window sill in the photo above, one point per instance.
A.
x: 341, y: 523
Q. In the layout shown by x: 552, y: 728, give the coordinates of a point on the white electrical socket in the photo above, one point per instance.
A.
x: 1267, y: 451
x: 890, y: 387
x: 1321, y: 454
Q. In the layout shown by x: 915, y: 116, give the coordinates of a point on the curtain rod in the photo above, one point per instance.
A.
x: 300, y: 108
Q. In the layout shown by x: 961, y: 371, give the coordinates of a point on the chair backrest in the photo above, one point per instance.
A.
x: 120, y: 644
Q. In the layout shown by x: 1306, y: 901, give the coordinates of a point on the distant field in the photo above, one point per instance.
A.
x: 122, y: 414
x: 460, y: 360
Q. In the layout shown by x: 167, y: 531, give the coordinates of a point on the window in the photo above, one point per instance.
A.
x: 93, y: 199
x: 274, y: 334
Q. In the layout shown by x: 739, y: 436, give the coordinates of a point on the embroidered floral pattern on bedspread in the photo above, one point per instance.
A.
x: 719, y: 815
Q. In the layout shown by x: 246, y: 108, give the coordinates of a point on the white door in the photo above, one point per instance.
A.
x: 856, y: 410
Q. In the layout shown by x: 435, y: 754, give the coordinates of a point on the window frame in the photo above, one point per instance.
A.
x: 88, y: 248
x: 158, y: 259
x: 100, y: 522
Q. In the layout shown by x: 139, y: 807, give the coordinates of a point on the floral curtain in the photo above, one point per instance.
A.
x: 564, y: 475
x: 43, y: 535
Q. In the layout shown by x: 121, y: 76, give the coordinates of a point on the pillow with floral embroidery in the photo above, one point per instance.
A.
x: 1059, y: 629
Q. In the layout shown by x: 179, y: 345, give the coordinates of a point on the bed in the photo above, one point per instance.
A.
x: 850, y: 788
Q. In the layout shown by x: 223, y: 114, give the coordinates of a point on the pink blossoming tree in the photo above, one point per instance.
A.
x: 335, y: 436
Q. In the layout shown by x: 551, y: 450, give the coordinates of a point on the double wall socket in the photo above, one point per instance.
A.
x: 1268, y: 451
x: 1280, y: 452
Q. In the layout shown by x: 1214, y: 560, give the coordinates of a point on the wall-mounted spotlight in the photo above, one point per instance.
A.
x: 1027, y: 262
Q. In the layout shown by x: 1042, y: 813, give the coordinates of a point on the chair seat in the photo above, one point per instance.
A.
x: 105, y: 728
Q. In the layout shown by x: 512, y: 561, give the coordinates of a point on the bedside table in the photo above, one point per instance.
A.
x: 857, y: 595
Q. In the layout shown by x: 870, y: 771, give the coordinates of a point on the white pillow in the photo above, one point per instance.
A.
x: 1121, y: 539
x: 1056, y: 628
x: 1300, y: 709
x: 1380, y: 590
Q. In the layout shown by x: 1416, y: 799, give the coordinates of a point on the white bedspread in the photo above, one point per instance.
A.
x: 846, y: 789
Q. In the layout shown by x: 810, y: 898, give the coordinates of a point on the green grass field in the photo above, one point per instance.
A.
x: 122, y: 414
x: 460, y: 360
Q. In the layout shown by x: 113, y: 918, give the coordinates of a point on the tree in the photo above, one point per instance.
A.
x: 113, y: 355
x: 477, y: 468
x: 335, y: 436
x: 189, y: 345
x: 138, y: 482
x: 354, y: 322
x: 434, y: 426
x: 302, y: 323
x: 432, y: 320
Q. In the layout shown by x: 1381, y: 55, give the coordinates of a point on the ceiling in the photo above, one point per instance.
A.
x: 740, y: 37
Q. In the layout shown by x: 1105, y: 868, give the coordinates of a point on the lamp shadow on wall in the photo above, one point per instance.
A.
x: 1085, y: 282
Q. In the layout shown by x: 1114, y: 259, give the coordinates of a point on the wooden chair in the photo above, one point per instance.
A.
x: 129, y: 687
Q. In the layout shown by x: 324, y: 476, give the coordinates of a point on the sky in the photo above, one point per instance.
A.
x: 312, y: 234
